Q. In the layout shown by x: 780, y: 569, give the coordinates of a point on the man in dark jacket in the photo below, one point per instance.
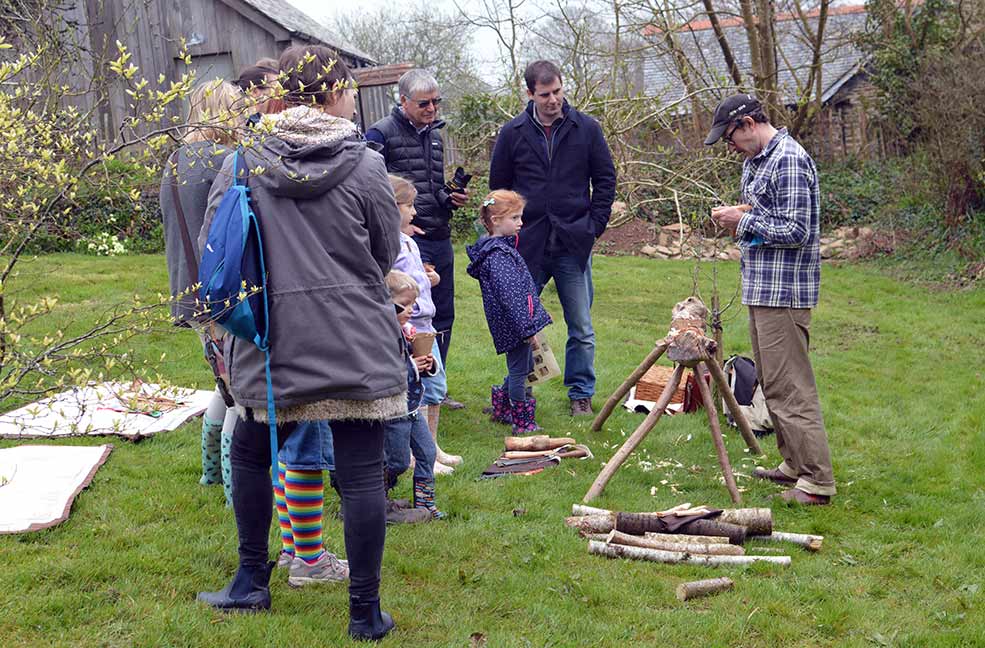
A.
x: 557, y: 158
x: 413, y: 149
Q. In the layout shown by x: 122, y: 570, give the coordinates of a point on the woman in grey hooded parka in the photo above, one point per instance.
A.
x: 330, y: 234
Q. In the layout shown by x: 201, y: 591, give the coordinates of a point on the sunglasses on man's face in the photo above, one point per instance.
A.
x: 424, y: 104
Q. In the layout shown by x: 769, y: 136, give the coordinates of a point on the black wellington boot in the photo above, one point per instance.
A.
x: 366, y: 621
x: 249, y: 591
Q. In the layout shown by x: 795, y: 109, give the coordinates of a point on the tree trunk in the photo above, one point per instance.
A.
x: 716, y: 26
x: 757, y: 521
x: 808, y: 542
x: 538, y: 442
x: 651, y: 542
x: 656, y: 555
x: 694, y: 589
x: 640, y: 523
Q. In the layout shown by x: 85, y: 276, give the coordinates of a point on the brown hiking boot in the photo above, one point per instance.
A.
x: 774, y: 475
x: 581, y: 407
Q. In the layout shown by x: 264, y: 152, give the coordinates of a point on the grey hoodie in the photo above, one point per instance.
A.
x: 330, y: 230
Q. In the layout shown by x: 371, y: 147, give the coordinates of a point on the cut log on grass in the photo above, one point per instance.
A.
x: 757, y: 521
x: 623, y: 389
x: 649, y: 542
x: 807, y: 541
x: 694, y: 589
x: 581, y: 509
x: 656, y: 555
x: 735, y: 533
x: 591, y: 523
x: 538, y: 442
x: 640, y: 523
x: 733, y: 406
x: 635, y: 438
x: 716, y: 435
x: 683, y: 537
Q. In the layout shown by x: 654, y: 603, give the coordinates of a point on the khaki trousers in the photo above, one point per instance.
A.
x: 780, y: 339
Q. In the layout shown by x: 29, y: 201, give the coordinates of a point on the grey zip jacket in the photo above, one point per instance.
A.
x: 330, y: 229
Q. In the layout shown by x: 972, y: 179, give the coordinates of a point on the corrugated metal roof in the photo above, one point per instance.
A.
x: 301, y: 24
x: 840, y: 58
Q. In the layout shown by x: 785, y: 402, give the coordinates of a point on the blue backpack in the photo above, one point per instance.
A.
x: 233, y: 279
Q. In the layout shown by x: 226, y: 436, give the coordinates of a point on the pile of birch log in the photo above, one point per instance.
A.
x: 719, y: 541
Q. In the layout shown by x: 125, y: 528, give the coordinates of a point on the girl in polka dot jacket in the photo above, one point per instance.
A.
x: 512, y: 306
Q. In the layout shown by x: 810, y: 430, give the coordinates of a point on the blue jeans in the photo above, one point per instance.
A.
x: 441, y: 255
x: 436, y: 386
x: 575, y: 290
x: 405, y: 435
x: 519, y: 364
x: 309, y: 447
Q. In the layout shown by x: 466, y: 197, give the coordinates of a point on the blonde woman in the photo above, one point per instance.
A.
x: 213, y: 120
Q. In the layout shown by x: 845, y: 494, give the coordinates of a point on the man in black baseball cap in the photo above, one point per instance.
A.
x: 728, y: 111
x: 777, y: 227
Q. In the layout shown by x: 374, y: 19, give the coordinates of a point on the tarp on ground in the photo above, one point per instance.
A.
x: 38, y: 483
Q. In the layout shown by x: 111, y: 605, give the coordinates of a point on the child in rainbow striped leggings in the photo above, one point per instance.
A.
x: 300, y: 498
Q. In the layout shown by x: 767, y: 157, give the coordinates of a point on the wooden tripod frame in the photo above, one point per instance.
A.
x: 687, y: 345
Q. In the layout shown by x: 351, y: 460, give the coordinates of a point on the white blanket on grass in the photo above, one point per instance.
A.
x: 103, y: 409
x: 38, y: 483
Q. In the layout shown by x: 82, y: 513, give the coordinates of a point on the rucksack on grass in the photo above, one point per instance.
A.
x: 741, y: 375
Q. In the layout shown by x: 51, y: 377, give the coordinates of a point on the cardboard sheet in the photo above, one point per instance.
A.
x: 38, y: 483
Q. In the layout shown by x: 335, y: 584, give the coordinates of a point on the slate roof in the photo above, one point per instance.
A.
x: 304, y: 26
x: 840, y: 58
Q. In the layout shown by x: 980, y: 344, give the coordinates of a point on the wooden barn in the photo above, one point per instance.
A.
x: 221, y: 36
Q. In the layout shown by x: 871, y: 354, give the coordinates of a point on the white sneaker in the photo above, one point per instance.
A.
x: 447, y: 459
x: 284, y: 559
x: 327, y: 569
x: 442, y: 469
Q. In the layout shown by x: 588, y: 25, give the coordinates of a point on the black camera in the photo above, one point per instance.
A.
x: 458, y: 183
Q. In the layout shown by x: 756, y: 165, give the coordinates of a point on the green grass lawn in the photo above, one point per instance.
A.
x: 900, y: 372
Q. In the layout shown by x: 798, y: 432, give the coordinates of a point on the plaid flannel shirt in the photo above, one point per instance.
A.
x: 780, y: 236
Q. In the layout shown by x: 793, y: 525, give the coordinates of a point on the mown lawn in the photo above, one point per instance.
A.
x: 901, y: 381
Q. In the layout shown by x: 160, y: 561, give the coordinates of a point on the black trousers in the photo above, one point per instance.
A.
x: 359, y: 473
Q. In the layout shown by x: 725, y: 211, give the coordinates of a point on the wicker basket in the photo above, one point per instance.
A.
x: 652, y: 384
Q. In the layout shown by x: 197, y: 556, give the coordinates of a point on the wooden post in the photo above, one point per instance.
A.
x: 716, y: 435
x: 636, y: 437
x: 623, y: 389
x: 694, y: 589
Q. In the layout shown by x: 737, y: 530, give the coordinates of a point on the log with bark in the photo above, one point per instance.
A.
x: 694, y: 589
x: 654, y: 542
x: 640, y: 523
x: 757, y: 521
x: 657, y: 555
x: 807, y: 541
x: 537, y: 442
